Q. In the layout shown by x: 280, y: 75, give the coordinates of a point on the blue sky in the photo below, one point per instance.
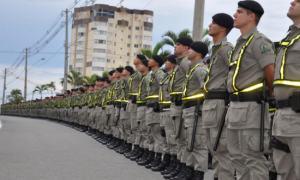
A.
x: 24, y: 22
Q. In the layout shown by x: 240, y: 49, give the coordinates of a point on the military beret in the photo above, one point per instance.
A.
x: 200, y: 47
x: 252, y: 6
x: 223, y: 20
x: 158, y: 59
x: 86, y: 85
x: 98, y: 79
x: 185, y: 41
x: 81, y: 89
x: 129, y: 69
x: 107, y: 81
x: 111, y: 72
x: 92, y: 85
x: 120, y: 69
x: 140, y: 56
x: 145, y: 62
x: 68, y: 91
x: 172, y: 59
x: 76, y: 89
x: 71, y: 90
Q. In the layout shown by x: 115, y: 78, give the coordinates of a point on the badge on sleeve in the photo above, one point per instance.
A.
x: 203, y: 72
x: 265, y: 47
x: 229, y: 52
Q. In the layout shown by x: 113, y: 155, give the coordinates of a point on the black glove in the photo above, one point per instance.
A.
x: 162, y: 132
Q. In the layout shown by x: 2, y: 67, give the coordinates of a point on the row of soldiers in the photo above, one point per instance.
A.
x: 169, y: 121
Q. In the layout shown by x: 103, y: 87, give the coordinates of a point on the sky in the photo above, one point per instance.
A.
x: 24, y: 22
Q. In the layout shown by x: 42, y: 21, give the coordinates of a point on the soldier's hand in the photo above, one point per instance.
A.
x: 272, y: 102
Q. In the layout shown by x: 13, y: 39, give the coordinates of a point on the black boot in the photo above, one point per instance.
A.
x: 182, y: 173
x: 175, y: 172
x: 165, y: 163
x: 189, y: 173
x: 272, y: 175
x: 198, y: 175
x: 155, y: 162
x: 149, y: 159
x: 172, y: 165
x: 132, y: 152
x: 107, y: 140
x: 122, y: 144
x: 128, y: 147
x: 137, y: 155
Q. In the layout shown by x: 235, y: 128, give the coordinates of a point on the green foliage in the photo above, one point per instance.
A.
x: 90, y: 80
x: 157, y: 50
x: 105, y: 74
x: 40, y: 89
x: 51, y: 87
x: 15, y: 96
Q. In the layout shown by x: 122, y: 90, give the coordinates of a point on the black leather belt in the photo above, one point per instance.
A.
x: 216, y: 95
x: 189, y: 104
x: 284, y: 103
x: 132, y: 97
x: 246, y: 97
x: 150, y: 105
x: 141, y: 104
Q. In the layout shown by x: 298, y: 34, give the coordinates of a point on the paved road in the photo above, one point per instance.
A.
x: 33, y: 149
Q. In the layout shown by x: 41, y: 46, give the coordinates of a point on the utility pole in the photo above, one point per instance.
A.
x: 66, y: 54
x: 198, y: 20
x: 25, y: 81
x: 4, y: 87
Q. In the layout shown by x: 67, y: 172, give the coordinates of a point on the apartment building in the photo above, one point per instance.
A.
x: 105, y: 37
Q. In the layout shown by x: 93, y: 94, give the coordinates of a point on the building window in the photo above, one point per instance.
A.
x: 81, y: 25
x: 97, y: 68
x: 79, y: 60
x: 127, y: 63
x: 129, y: 36
x: 137, y: 28
x: 110, y: 34
x: 80, y: 52
x: 147, y: 47
x: 128, y: 45
x: 109, y: 43
x: 79, y: 69
x: 114, y: 61
x: 115, y: 43
x: 97, y: 50
x: 129, y: 27
x: 116, y: 35
x: 81, y: 34
x: 100, y: 32
x: 80, y: 42
x: 121, y: 48
x: 110, y: 25
x: 136, y: 36
x: 108, y: 51
x: 148, y: 29
x: 108, y: 60
x: 128, y: 54
x: 105, y: 13
x: 96, y: 59
x: 99, y: 41
x: 100, y: 23
x: 136, y: 46
x: 148, y: 38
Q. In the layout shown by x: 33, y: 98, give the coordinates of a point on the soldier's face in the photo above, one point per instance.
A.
x: 294, y: 11
x: 125, y: 73
x: 106, y: 85
x: 169, y: 66
x: 192, y: 54
x: 110, y: 77
x: 142, y: 68
x: 242, y: 18
x: 152, y: 63
x: 214, y: 29
x: 179, y: 49
x: 117, y: 74
x: 137, y: 62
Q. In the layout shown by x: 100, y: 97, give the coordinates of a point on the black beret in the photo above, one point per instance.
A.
x: 92, y: 85
x: 252, y: 6
x: 98, y: 79
x: 145, y: 62
x: 86, y: 85
x: 140, y: 56
x: 200, y: 47
x: 185, y: 41
x: 81, y: 89
x: 68, y: 91
x: 223, y: 20
x: 72, y: 90
x: 158, y: 59
x: 129, y: 69
x: 107, y: 81
x: 172, y: 59
x: 111, y: 72
x: 76, y: 89
x: 120, y: 69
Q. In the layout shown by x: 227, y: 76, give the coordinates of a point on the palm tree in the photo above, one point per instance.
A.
x: 74, y: 78
x: 40, y: 89
x: 105, y: 74
x: 91, y: 80
x: 15, y: 96
x: 52, y: 86
x: 157, y: 50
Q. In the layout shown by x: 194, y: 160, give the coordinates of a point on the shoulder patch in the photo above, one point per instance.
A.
x: 265, y: 47
x: 229, y: 52
x: 203, y: 72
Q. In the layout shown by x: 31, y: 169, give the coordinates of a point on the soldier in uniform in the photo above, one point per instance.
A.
x: 216, y: 96
x: 83, y: 118
x: 166, y: 124
x: 286, y: 128
x: 133, y: 86
x: 251, y: 62
x: 178, y: 76
x: 98, y: 108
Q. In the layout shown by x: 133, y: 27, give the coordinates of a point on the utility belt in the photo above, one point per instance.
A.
x: 176, y: 98
x: 109, y: 103
x: 141, y: 104
x: 155, y: 106
x: 276, y: 144
x: 188, y: 104
x: 255, y: 96
x: 217, y: 95
x: 124, y: 105
x: 117, y: 104
x: 164, y: 108
x: 293, y: 102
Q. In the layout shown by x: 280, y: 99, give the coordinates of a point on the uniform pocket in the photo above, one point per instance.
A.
x: 209, y: 114
x: 238, y: 113
x: 141, y: 114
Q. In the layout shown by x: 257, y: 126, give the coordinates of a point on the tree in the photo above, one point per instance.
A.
x: 52, y: 87
x: 15, y: 96
x: 74, y: 78
x: 157, y: 50
x: 105, y: 74
x: 91, y: 80
x: 40, y: 89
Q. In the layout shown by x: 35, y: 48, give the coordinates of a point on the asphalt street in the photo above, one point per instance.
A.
x: 35, y: 149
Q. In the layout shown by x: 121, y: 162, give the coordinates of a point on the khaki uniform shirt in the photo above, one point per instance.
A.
x: 286, y: 121
x: 164, y: 93
x: 135, y: 80
x: 143, y: 88
x: 153, y: 84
